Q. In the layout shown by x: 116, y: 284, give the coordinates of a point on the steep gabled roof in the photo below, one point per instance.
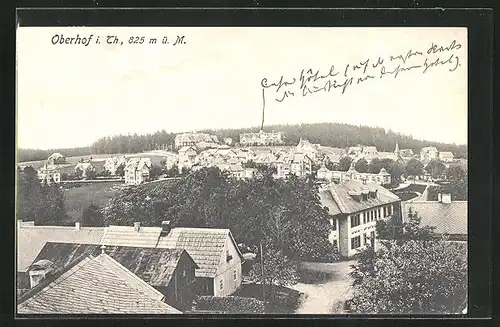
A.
x: 448, y: 218
x: 127, y: 236
x: 97, y: 285
x: 338, y: 199
x: 31, y: 239
x: 204, y: 245
x: 154, y: 266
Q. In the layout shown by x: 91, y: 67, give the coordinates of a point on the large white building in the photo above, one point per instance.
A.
x: 354, y: 209
x: 261, y: 138
x: 382, y: 178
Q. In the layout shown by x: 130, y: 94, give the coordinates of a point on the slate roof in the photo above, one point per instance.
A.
x: 446, y: 154
x: 448, y: 218
x: 337, y: 198
x: 204, y: 245
x: 127, y: 236
x: 97, y: 285
x: 31, y: 239
x: 154, y: 266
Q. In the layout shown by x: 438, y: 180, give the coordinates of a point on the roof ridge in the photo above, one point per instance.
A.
x: 63, y: 272
x: 140, y: 284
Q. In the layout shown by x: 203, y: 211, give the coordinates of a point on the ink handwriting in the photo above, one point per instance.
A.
x: 341, y: 78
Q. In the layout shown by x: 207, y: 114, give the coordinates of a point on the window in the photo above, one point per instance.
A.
x: 371, y: 215
x: 333, y: 222
x: 355, y: 221
x: 364, y: 218
x: 221, y: 284
x: 379, y: 213
x: 235, y: 275
x: 385, y: 211
x: 365, y: 239
x: 390, y: 209
x: 355, y: 242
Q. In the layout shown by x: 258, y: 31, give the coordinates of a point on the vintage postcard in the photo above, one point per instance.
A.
x: 241, y: 170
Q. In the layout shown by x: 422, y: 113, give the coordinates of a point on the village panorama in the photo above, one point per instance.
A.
x: 274, y: 220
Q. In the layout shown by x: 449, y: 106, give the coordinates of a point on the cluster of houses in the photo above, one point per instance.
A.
x: 197, y: 150
x: 161, y: 270
x: 122, y: 269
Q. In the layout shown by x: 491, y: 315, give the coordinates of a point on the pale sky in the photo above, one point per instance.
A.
x: 70, y: 95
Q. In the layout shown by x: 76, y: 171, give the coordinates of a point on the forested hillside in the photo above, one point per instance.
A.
x: 327, y: 134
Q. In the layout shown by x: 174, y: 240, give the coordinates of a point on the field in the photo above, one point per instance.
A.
x: 77, y: 198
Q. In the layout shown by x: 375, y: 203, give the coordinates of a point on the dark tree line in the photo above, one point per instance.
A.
x: 284, y: 214
x: 133, y: 143
x: 327, y: 134
x: 38, y: 202
x: 344, y: 135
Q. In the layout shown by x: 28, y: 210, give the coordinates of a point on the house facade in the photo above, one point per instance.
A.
x: 191, y: 139
x: 261, y: 138
x: 354, y: 208
x: 428, y: 153
x: 137, y: 171
x: 215, y: 252
x: 298, y: 164
x: 382, y: 178
x: 446, y: 156
x: 111, y: 164
x: 84, y: 167
x: 48, y: 174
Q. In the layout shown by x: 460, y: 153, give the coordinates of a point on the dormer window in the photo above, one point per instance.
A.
x: 228, y: 256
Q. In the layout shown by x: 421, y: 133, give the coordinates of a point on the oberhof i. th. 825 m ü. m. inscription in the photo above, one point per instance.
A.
x: 91, y: 39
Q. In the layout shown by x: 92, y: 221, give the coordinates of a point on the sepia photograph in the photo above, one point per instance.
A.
x: 241, y: 170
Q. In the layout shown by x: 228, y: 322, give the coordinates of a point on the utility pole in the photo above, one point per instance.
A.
x: 262, y: 271
x: 263, y: 108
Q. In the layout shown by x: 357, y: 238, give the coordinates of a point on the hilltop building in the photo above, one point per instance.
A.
x: 191, y: 139
x: 261, y: 138
x: 56, y: 159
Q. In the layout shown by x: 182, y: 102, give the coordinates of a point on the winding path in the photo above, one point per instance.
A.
x: 326, y: 296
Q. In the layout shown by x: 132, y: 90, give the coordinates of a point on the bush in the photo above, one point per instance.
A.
x: 228, y: 304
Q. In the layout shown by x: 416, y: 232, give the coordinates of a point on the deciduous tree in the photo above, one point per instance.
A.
x: 345, y: 163
x: 361, y: 165
x: 414, y: 167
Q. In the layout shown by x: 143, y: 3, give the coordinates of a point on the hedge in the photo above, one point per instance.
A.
x: 228, y: 304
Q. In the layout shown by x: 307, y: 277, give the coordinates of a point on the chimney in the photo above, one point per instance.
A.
x: 103, y: 249
x: 77, y: 225
x: 165, y: 227
x: 446, y: 197
x: 137, y: 226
